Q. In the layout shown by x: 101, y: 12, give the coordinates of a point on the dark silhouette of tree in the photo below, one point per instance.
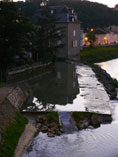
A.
x: 91, y: 37
x: 14, y: 36
x: 49, y: 35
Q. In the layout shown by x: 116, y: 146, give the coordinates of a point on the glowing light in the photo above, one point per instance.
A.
x: 91, y: 29
x: 86, y: 39
x: 105, y: 38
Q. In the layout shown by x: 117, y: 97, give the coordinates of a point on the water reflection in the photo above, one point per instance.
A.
x: 110, y: 67
x: 57, y: 88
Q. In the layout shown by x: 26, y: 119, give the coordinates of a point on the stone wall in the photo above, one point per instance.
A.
x: 12, y: 104
x: 17, y: 97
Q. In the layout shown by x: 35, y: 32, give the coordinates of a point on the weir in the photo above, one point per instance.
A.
x: 67, y: 122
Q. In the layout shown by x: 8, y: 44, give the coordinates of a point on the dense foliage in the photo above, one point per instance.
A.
x: 49, y: 35
x: 91, y: 14
x: 23, y: 41
x: 15, y: 36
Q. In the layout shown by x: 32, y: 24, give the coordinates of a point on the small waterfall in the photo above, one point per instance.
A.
x: 67, y: 122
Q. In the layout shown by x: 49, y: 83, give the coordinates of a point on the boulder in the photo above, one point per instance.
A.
x: 58, y: 133
x: 83, y: 124
x: 44, y: 129
x: 96, y: 120
x: 50, y: 134
x: 90, y: 127
x: 38, y: 125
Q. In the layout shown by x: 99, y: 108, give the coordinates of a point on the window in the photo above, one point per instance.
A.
x: 73, y: 19
x: 59, y: 42
x: 59, y: 32
x: 74, y: 33
x: 74, y: 44
x: 52, y: 11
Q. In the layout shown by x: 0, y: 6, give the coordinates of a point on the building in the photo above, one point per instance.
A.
x: 67, y: 19
x: 106, y: 36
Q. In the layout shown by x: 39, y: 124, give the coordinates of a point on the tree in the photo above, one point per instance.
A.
x: 14, y: 32
x: 91, y: 37
x: 49, y: 35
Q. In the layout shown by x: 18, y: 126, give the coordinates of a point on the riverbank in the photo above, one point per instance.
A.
x: 12, y: 123
x: 11, y: 135
x: 98, y: 54
x: 90, y: 56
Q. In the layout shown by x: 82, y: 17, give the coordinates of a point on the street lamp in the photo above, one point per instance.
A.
x: 91, y: 30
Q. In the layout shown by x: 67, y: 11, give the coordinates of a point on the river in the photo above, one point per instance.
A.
x: 71, y: 87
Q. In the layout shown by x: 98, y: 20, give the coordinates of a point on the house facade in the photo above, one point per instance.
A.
x: 67, y: 19
x: 105, y: 36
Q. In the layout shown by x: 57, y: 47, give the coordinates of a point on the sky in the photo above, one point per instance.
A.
x: 110, y: 3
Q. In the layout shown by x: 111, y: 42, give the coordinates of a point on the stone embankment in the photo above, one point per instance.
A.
x: 11, y: 100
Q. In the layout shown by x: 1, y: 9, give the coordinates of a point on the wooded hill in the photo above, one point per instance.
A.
x: 90, y: 14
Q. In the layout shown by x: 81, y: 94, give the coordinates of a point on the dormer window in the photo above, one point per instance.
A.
x: 74, y: 33
x: 52, y: 11
x: 73, y: 19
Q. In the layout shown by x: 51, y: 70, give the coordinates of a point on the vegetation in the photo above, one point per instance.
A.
x: 48, y: 35
x: 52, y: 117
x: 11, y: 136
x: 20, y: 38
x: 91, y: 14
x: 91, y: 37
x: 14, y: 36
x: 1, y: 84
x: 79, y: 116
x: 100, y: 54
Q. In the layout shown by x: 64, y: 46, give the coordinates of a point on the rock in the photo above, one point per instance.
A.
x: 107, y: 119
x: 50, y: 134
x: 95, y: 119
x: 51, y: 131
x: 58, y: 133
x: 38, y: 125
x: 44, y: 129
x: 52, y: 125
x: 61, y: 130
x: 83, y: 124
x: 90, y: 127
x: 41, y: 119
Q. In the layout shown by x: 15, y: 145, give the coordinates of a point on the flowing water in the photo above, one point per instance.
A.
x: 73, y: 88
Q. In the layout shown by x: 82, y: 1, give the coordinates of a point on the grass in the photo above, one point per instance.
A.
x: 90, y: 56
x: 81, y: 115
x: 11, y: 136
x: 52, y: 117
x: 98, y: 54
x: 2, y: 84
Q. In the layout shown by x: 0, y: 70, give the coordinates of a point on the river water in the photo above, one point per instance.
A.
x: 73, y: 86
x: 67, y: 87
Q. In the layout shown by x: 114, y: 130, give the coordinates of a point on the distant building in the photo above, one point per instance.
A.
x: 6, y: 0
x: 67, y: 18
x: 104, y: 36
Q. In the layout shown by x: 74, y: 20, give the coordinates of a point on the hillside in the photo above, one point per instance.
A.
x: 90, y: 14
